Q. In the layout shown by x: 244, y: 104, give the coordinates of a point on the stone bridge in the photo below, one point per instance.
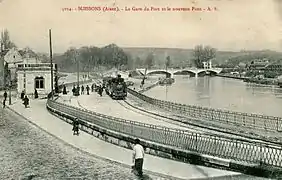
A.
x: 171, y: 72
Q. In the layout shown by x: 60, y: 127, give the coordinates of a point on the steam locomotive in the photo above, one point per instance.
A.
x: 115, y: 87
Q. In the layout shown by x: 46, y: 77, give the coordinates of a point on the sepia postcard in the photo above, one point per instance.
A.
x: 152, y: 89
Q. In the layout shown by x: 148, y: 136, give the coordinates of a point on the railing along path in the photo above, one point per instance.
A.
x: 262, y: 122
x: 230, y: 148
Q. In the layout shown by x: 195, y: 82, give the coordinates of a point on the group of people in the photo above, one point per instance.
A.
x: 79, y: 90
x: 24, y: 98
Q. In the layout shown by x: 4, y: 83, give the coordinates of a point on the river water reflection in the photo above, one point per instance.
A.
x: 224, y: 93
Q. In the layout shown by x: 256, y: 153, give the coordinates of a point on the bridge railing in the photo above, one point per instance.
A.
x: 261, y: 122
x: 230, y: 148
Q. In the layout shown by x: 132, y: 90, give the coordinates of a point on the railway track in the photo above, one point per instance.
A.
x: 130, y: 107
x: 194, y: 127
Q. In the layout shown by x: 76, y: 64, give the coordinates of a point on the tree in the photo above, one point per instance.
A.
x: 5, y: 40
x: 138, y: 62
x: 149, y: 62
x: 203, y: 54
x: 168, y: 61
x: 6, y: 74
x: 130, y: 62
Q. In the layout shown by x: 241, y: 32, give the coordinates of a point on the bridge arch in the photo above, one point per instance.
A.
x: 159, y: 72
x: 185, y: 72
x: 213, y: 72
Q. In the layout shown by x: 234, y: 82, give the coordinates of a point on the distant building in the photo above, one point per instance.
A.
x: 31, y: 76
x: 14, y: 56
x: 274, y: 67
x: 207, y: 65
x: 259, y: 63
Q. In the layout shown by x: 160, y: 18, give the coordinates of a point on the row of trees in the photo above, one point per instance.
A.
x: 109, y: 56
x: 91, y: 57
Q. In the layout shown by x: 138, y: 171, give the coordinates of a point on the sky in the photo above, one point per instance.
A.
x: 234, y: 25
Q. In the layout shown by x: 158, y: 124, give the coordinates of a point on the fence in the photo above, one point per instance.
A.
x: 262, y: 122
x: 231, y: 148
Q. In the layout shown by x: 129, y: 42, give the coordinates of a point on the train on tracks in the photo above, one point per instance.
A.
x: 115, y: 87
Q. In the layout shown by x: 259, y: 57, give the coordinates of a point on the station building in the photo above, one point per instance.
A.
x: 31, y: 76
x: 27, y: 70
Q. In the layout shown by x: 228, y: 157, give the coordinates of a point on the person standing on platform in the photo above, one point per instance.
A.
x: 100, y: 91
x: 22, y: 95
x: 26, y: 101
x: 82, y: 89
x: 92, y: 88
x: 35, y: 94
x: 73, y: 91
x: 87, y: 89
x: 138, y: 157
x: 64, y: 90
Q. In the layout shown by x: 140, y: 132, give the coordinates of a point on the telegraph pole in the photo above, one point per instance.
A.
x: 51, y: 62
x: 77, y: 61
x: 10, y: 87
x: 1, y: 56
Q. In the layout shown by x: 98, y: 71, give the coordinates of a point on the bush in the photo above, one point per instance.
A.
x: 270, y: 74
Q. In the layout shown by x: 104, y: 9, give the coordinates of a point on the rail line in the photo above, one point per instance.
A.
x: 198, y: 127
x: 157, y: 117
x: 194, y: 127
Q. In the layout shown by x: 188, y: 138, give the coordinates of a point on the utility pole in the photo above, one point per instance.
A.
x: 77, y: 62
x: 10, y: 87
x: 2, y: 58
x: 89, y: 68
x: 51, y: 62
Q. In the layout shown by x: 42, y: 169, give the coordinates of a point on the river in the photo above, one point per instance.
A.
x: 223, y: 93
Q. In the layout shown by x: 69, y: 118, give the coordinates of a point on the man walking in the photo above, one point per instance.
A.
x: 138, y: 156
x: 5, y: 95
x: 5, y: 98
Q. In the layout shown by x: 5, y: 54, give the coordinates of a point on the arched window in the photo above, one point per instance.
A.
x: 39, y: 82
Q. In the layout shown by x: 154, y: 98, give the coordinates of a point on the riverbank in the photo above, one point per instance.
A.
x: 265, y: 81
x: 233, y: 76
